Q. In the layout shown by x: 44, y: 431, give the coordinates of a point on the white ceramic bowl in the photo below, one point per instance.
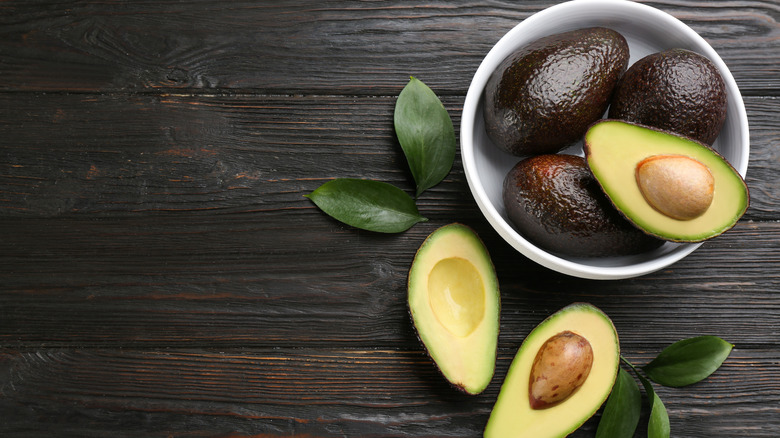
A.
x: 647, y: 30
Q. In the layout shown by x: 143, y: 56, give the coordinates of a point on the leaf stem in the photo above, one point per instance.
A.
x: 622, y: 358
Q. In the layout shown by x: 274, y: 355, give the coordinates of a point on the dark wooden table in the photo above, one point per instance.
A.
x: 161, y: 273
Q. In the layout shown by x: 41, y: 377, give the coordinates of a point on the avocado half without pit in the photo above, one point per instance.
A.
x: 454, y: 303
x: 669, y: 186
x: 560, y: 376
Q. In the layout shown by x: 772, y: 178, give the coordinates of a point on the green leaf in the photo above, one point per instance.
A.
x: 688, y: 361
x: 623, y: 408
x: 366, y: 204
x: 658, y: 425
x: 426, y: 134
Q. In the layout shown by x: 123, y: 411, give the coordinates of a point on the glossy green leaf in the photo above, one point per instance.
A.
x: 624, y: 406
x: 688, y: 361
x: 658, y: 424
x: 366, y: 204
x: 426, y: 134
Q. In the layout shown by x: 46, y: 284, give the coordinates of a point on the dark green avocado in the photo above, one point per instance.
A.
x: 676, y: 90
x: 543, y: 97
x: 555, y: 202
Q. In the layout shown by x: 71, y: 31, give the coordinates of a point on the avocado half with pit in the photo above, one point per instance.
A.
x: 560, y: 376
x: 669, y: 186
x: 454, y: 302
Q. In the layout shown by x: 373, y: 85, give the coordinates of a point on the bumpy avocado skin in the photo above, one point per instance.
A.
x: 675, y: 90
x: 543, y: 97
x: 556, y: 203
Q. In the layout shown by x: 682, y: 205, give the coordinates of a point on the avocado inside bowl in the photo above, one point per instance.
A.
x: 647, y: 30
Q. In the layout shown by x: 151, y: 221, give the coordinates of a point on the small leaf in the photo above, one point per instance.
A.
x: 426, y: 134
x: 623, y: 408
x: 688, y: 361
x: 658, y: 425
x: 366, y: 204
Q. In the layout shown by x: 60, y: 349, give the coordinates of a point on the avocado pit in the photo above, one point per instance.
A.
x: 561, y: 366
x: 513, y: 416
x: 676, y: 185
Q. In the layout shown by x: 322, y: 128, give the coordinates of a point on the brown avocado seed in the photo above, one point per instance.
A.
x: 675, y: 185
x: 561, y: 366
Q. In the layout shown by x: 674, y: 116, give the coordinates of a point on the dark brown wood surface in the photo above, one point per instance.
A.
x: 161, y: 273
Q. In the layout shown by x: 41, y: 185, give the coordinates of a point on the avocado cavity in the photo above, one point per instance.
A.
x: 454, y: 303
x: 457, y: 295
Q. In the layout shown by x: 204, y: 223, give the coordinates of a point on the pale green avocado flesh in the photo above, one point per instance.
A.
x: 613, y: 150
x: 513, y: 416
x: 454, y: 302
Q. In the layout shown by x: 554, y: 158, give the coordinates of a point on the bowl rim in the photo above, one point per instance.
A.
x: 504, y: 229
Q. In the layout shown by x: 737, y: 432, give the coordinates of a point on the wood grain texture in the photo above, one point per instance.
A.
x: 282, y: 392
x: 161, y: 273
x: 119, y: 155
x: 168, y: 281
x: 339, y: 47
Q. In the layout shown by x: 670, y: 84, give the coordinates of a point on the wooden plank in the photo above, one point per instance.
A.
x: 309, y: 47
x: 332, y: 392
x: 264, y: 281
x: 109, y: 154
x: 162, y: 275
x: 764, y: 163
x: 130, y: 156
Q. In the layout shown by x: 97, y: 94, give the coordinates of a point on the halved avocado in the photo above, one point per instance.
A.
x: 615, y: 150
x: 513, y: 415
x: 454, y: 302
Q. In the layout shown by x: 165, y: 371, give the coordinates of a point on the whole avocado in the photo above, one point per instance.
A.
x: 543, y: 97
x: 675, y: 90
x: 557, y: 204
